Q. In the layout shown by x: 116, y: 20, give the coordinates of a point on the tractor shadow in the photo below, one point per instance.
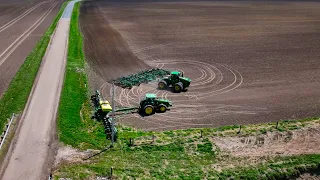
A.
x: 156, y: 112
x: 141, y: 113
x: 170, y: 89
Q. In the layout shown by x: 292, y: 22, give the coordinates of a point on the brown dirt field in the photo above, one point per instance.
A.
x: 304, y: 141
x: 250, y: 62
x: 110, y: 56
x: 22, y: 24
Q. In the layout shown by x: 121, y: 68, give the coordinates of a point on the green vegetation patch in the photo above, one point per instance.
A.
x: 175, y: 159
x: 205, y: 147
x: 75, y: 127
x: 16, y: 96
x: 181, y: 157
x: 188, y: 154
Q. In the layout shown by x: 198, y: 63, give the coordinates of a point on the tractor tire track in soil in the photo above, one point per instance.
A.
x: 19, y: 32
x: 250, y: 62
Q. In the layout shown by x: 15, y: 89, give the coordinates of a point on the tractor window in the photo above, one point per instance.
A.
x: 174, y: 76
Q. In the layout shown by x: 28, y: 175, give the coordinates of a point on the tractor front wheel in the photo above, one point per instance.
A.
x: 178, y: 87
x: 162, y: 108
x: 162, y: 85
x: 148, y: 110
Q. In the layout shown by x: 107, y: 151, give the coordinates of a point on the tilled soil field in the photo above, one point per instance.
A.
x: 22, y: 24
x: 110, y: 56
x: 249, y: 62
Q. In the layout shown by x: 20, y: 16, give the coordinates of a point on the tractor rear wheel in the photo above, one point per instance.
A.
x: 162, y: 108
x: 178, y: 87
x: 162, y: 85
x: 148, y: 110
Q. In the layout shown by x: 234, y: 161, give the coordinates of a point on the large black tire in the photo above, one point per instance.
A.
x: 162, y: 85
x: 178, y: 87
x: 148, y: 110
x: 162, y: 108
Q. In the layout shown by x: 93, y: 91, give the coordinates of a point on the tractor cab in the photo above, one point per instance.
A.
x: 176, y: 74
x: 150, y: 96
x: 105, y: 106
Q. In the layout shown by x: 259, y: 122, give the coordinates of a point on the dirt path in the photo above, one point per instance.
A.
x: 33, y: 149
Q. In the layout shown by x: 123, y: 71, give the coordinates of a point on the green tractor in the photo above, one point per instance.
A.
x: 175, y: 80
x: 151, y: 104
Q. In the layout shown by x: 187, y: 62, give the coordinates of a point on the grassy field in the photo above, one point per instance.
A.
x: 179, y: 165
x: 183, y: 154
x: 75, y: 127
x: 179, y: 154
x: 190, y: 154
x: 16, y: 96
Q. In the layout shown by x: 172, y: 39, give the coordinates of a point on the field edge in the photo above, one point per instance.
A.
x: 74, y: 110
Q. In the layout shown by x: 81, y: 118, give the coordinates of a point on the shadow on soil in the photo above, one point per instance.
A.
x: 312, y: 172
x: 170, y: 89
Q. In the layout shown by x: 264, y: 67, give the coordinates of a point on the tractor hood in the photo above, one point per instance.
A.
x: 185, y: 79
x: 164, y: 101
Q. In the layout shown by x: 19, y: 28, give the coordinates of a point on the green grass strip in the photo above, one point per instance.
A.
x: 75, y: 127
x: 16, y: 96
